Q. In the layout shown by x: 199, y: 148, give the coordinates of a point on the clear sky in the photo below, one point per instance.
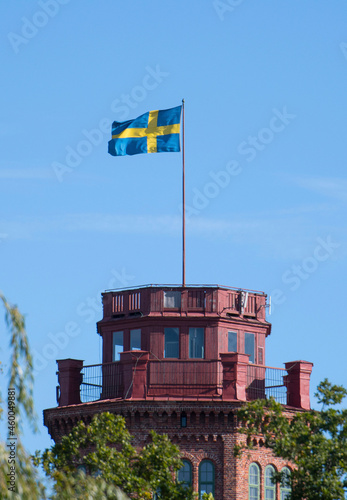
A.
x: 265, y: 90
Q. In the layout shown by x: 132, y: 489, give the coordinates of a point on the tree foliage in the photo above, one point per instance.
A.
x: 21, y: 364
x: 28, y: 485
x: 104, y: 449
x: 314, y: 441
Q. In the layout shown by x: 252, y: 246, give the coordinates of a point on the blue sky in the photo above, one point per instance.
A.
x: 264, y: 85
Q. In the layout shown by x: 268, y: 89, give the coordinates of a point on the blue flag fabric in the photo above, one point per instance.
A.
x: 153, y: 132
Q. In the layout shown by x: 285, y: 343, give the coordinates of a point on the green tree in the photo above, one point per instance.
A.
x: 314, y: 441
x: 17, y: 401
x: 104, y: 449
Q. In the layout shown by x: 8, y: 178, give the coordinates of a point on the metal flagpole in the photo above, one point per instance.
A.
x: 183, y: 207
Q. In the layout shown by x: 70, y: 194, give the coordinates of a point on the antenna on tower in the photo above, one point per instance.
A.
x: 267, y: 305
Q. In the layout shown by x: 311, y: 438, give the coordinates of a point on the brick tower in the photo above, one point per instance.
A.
x: 181, y: 360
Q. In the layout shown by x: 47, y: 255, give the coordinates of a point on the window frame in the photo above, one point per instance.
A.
x: 272, y: 486
x: 137, y: 330
x: 185, y: 483
x: 191, y: 353
x: 254, y: 485
x: 252, y: 355
x: 176, y: 296
x: 285, y: 489
x: 207, y: 483
x: 184, y: 419
x: 236, y: 338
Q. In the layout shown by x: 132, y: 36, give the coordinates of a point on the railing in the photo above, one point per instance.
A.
x: 134, y: 301
x: 103, y: 381
x: 171, y: 286
x: 185, y: 377
x: 264, y: 382
x: 118, y: 303
x: 198, y: 298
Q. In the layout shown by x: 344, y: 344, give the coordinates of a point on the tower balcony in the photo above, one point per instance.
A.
x: 137, y: 377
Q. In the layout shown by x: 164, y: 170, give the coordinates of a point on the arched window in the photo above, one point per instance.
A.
x: 184, y: 475
x: 254, y: 482
x: 183, y: 419
x: 206, y: 477
x: 285, y: 488
x: 270, y: 487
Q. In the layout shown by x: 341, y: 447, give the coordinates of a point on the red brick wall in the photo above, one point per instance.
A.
x: 212, y: 437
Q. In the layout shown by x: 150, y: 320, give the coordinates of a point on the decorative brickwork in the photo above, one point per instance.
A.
x: 210, y: 434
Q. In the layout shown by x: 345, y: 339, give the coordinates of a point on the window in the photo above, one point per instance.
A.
x: 253, y: 482
x: 172, y: 346
x: 270, y: 487
x: 232, y: 342
x: 183, y: 419
x: 206, y: 477
x: 135, y: 339
x: 249, y: 346
x: 285, y: 488
x: 184, y: 475
x: 196, y: 342
x: 118, y: 345
x: 172, y: 299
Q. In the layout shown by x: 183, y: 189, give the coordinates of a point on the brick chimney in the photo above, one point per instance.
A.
x: 298, y: 384
x: 69, y: 379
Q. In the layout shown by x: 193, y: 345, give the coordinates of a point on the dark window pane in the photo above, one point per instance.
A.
x: 183, y: 420
x: 196, y: 342
x: 206, y: 477
x: 135, y: 339
x: 285, y: 486
x: 117, y: 345
x: 185, y: 474
x: 232, y: 342
x: 253, y: 482
x: 269, y: 485
x: 171, y: 348
x: 249, y: 346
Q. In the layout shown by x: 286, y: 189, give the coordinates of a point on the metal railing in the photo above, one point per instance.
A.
x: 264, y: 382
x: 197, y: 286
x: 102, y: 381
x: 183, y: 378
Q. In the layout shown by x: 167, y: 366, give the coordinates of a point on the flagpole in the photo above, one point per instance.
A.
x: 183, y: 207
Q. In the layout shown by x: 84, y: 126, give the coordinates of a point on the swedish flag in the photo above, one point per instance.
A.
x: 153, y: 132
